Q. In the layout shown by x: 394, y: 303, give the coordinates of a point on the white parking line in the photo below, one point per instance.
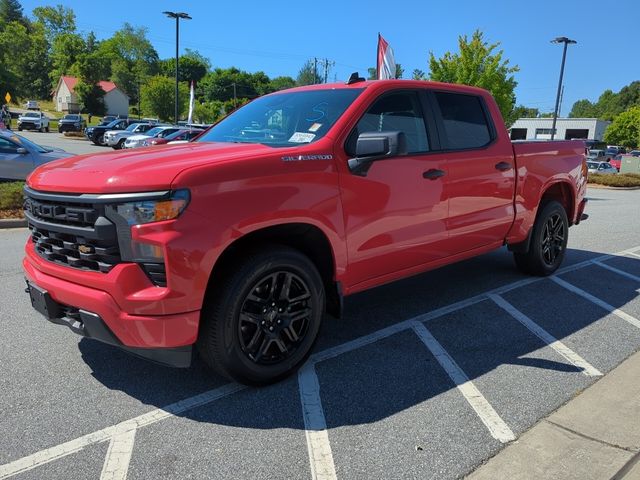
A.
x: 630, y: 276
x: 49, y: 454
x: 315, y: 425
x: 497, y: 427
x: 601, y: 303
x: 571, y: 356
x: 116, y: 464
x: 59, y: 451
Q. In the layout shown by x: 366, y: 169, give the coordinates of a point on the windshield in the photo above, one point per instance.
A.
x: 284, y: 119
x: 592, y: 164
x: 154, y: 131
x: 28, y: 144
x: 132, y: 127
x: 71, y: 117
x: 31, y: 114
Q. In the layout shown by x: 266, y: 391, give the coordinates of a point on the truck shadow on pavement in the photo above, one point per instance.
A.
x: 398, y: 372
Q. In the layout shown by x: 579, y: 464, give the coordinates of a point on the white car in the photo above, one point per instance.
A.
x: 116, y: 138
x: 33, y: 121
x: 161, y: 131
x: 603, y: 168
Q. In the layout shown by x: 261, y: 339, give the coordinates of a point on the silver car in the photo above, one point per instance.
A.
x: 19, y: 156
x: 603, y: 168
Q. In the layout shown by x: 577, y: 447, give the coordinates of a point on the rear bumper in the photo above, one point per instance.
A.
x: 95, y: 314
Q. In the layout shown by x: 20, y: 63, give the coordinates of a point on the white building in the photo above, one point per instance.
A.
x: 566, y: 128
x: 116, y: 101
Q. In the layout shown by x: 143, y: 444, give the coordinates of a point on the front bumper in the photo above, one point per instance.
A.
x: 158, y: 337
x: 29, y: 126
x: 91, y: 325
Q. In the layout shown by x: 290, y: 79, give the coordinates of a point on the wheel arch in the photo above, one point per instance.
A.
x: 304, y: 237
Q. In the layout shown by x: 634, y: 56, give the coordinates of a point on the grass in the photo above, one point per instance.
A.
x: 619, y: 180
x: 11, y: 199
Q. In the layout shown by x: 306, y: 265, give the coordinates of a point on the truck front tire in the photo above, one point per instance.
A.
x: 258, y: 324
x: 548, y: 241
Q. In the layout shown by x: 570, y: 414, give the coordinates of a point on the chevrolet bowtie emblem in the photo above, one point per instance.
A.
x: 85, y: 248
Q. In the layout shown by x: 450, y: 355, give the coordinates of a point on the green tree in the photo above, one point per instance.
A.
x: 225, y: 84
x: 281, y: 83
x: 478, y: 63
x: 583, y: 109
x: 90, y: 69
x: 373, y: 72
x: 158, y: 97
x: 11, y: 11
x: 91, y: 97
x: 625, y: 129
x: 418, y: 74
x: 191, y: 66
x: 132, y: 58
x: 308, y: 74
x: 521, y: 112
x: 56, y: 20
x: 65, y: 50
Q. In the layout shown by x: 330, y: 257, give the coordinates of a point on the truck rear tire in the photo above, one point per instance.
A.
x: 259, y: 324
x: 548, y: 242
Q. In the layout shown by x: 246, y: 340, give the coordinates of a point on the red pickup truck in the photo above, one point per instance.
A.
x: 236, y: 244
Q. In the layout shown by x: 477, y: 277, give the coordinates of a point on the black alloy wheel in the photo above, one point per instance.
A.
x: 261, y: 317
x: 274, y: 317
x: 548, y: 241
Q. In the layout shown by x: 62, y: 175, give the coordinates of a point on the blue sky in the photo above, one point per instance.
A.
x: 277, y: 37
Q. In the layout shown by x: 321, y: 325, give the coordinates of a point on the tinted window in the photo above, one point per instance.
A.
x: 396, y: 112
x: 464, y: 121
x: 7, y: 147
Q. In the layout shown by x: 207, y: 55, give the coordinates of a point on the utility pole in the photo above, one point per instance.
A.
x: 566, y: 42
x: 315, y: 69
x: 235, y: 97
x: 327, y: 65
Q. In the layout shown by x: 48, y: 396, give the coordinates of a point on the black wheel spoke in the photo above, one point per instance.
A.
x: 286, y: 287
x: 255, y: 340
x: 291, y: 333
x: 252, y: 318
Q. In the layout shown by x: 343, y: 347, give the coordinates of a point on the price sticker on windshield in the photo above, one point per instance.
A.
x: 302, y: 137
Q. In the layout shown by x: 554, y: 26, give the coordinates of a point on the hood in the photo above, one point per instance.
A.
x: 137, y: 170
x: 139, y: 136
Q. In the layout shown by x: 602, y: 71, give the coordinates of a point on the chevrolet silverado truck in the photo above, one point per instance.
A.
x: 236, y: 244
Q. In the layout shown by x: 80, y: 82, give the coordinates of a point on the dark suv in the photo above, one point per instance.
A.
x: 96, y: 134
x: 71, y: 123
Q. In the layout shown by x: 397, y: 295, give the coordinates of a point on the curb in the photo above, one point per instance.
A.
x: 607, y: 187
x: 12, y: 223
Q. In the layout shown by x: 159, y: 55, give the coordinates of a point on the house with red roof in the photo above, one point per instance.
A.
x: 115, y: 100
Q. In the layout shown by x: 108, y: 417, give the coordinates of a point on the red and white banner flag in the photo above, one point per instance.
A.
x: 386, y: 63
x: 191, y: 102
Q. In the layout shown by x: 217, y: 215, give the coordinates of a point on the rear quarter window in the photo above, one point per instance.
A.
x: 464, y: 120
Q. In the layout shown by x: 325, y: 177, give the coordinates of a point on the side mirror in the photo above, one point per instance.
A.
x: 22, y: 151
x: 372, y: 146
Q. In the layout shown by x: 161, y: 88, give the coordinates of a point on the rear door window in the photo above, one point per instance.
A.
x: 464, y: 120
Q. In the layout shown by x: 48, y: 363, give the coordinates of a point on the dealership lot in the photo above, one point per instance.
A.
x: 427, y: 377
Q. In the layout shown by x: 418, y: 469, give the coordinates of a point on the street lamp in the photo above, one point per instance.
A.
x: 566, y: 42
x: 177, y: 16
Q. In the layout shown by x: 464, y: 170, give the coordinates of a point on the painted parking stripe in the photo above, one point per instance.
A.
x: 49, y: 454
x: 497, y: 427
x: 630, y: 276
x: 571, y: 356
x: 315, y: 425
x: 116, y: 463
x: 601, y: 303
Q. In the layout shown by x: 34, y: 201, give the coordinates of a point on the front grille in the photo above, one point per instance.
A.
x: 70, y: 232
x: 75, y: 251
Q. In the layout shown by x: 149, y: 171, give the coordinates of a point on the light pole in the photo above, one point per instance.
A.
x: 177, y: 16
x: 566, y: 42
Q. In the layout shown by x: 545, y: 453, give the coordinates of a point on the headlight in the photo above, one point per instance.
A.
x: 147, y: 211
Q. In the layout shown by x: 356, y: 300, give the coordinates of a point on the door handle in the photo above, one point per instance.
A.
x: 503, y: 166
x: 433, y: 174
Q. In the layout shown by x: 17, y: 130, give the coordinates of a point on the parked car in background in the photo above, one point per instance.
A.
x: 96, y: 134
x: 180, y: 135
x: 604, y: 168
x: 616, y: 161
x: 159, y: 131
x: 32, y: 105
x: 107, y: 119
x: 19, y: 156
x: 635, y: 153
x: 613, y: 150
x: 33, y: 121
x: 116, y: 138
x: 71, y: 123
x: 596, y: 155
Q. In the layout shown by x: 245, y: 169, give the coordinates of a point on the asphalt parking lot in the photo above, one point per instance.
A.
x: 424, y: 378
x: 79, y: 146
